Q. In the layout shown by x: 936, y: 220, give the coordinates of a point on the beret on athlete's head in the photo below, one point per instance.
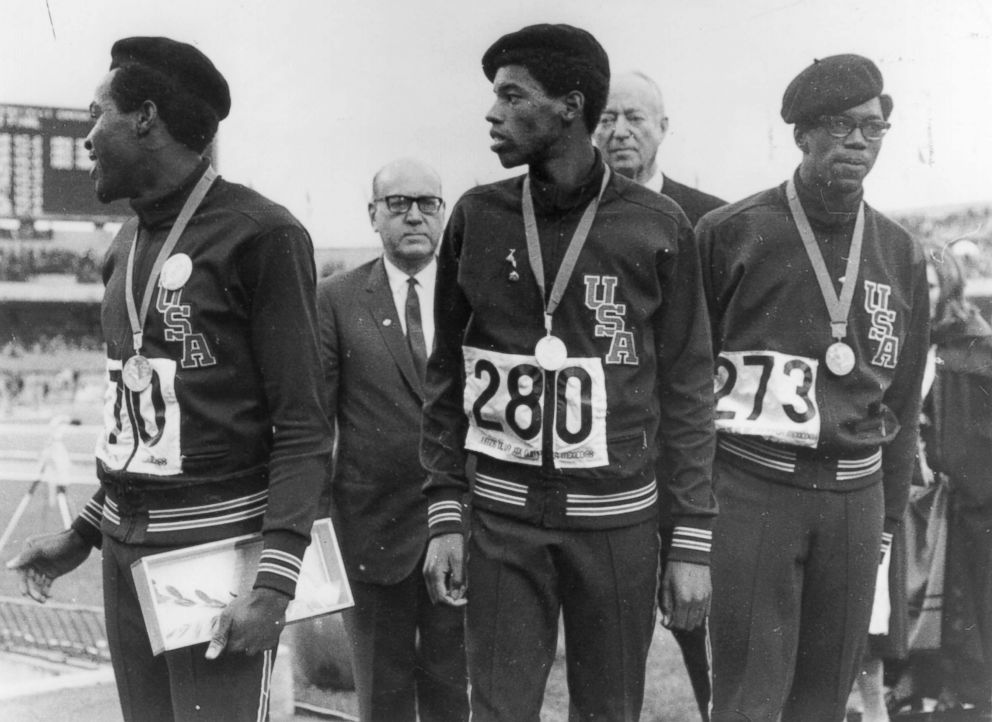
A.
x: 565, y: 39
x: 562, y: 58
x: 832, y: 85
x: 182, y: 63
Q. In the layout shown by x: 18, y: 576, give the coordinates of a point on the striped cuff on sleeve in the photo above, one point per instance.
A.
x: 691, y: 544
x: 278, y: 570
x: 280, y: 562
x: 444, y: 516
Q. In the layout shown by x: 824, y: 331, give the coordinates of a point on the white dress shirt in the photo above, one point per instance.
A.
x: 425, y: 293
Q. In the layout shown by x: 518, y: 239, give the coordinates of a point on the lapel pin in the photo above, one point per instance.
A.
x: 512, y: 260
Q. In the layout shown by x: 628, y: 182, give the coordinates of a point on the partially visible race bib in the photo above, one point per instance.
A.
x: 504, y: 403
x: 768, y: 394
x: 154, y: 437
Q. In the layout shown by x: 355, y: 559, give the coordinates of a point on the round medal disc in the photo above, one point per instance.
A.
x: 550, y: 353
x: 840, y: 358
x: 176, y: 272
x: 137, y: 373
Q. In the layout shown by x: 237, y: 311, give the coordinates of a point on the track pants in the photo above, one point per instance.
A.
x: 793, y: 579
x: 520, y: 578
x: 180, y: 685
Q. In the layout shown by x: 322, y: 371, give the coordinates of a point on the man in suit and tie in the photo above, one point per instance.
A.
x: 376, y: 330
x: 630, y: 131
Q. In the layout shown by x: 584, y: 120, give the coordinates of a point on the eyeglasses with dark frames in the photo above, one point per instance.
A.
x: 841, y: 126
x: 428, y: 205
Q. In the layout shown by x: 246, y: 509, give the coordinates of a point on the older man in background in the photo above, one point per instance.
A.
x: 376, y: 330
x: 630, y: 131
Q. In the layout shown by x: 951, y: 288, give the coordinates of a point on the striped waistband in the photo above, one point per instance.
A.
x: 513, y: 493
x: 782, y: 459
x: 166, y: 520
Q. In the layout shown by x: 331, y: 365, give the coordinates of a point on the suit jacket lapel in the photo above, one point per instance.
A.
x: 380, y: 303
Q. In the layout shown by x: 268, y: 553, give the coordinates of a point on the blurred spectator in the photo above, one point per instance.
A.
x: 952, y: 611
x: 20, y: 264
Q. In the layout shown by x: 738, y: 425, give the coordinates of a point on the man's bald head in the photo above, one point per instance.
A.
x: 410, y: 236
x: 404, y: 166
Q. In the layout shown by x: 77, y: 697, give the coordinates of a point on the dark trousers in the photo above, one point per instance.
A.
x: 521, y: 577
x: 179, y: 685
x: 793, y: 580
x: 408, y: 655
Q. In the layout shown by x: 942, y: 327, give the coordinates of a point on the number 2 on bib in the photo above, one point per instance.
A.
x: 768, y: 394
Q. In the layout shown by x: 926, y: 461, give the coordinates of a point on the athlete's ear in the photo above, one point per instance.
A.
x: 574, y: 103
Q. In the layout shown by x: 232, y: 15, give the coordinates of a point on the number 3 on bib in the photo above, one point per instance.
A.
x: 768, y: 394
x: 505, y: 405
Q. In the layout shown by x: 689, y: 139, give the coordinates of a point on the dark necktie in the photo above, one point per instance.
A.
x: 415, y: 328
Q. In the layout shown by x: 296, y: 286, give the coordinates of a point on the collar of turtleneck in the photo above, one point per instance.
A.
x: 823, y: 212
x: 550, y: 197
x: 163, y: 209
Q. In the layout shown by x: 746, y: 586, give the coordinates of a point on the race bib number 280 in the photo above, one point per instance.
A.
x: 768, y: 394
x: 505, y: 405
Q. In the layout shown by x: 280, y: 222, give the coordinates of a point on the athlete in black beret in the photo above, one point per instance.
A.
x: 571, y: 322
x: 214, y: 426
x: 820, y: 310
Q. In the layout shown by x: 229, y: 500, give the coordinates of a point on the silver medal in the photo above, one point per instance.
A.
x: 137, y: 373
x: 176, y: 272
x: 551, y: 353
x: 840, y: 358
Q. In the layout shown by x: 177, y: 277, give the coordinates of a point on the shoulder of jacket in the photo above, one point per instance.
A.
x: 763, y: 202
x: 254, y: 207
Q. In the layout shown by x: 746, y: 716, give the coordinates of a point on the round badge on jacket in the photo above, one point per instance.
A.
x: 176, y: 272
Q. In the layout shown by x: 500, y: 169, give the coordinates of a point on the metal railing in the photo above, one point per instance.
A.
x: 56, y: 632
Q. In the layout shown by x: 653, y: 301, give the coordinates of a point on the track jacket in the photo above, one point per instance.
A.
x: 779, y: 410
x: 572, y: 449
x: 230, y: 437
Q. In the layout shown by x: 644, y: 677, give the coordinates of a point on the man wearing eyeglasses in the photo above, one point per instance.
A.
x: 819, y: 311
x: 376, y: 330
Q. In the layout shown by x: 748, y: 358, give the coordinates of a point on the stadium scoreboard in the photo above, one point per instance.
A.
x: 44, y: 166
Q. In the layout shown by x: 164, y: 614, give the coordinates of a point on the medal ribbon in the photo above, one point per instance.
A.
x: 188, y: 209
x: 571, y: 253
x: 838, y: 308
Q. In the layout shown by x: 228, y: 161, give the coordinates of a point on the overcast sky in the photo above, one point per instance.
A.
x: 327, y: 91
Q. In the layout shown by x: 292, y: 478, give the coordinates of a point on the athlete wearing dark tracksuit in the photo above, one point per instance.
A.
x: 811, y: 464
x: 576, y: 531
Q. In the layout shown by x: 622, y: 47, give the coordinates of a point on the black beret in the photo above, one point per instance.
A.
x: 832, y: 85
x: 565, y: 39
x: 187, y: 66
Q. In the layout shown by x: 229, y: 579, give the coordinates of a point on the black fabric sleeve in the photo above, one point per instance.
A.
x: 280, y: 270
x: 442, y: 449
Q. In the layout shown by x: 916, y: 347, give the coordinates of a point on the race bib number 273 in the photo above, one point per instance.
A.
x: 505, y: 405
x: 768, y: 394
